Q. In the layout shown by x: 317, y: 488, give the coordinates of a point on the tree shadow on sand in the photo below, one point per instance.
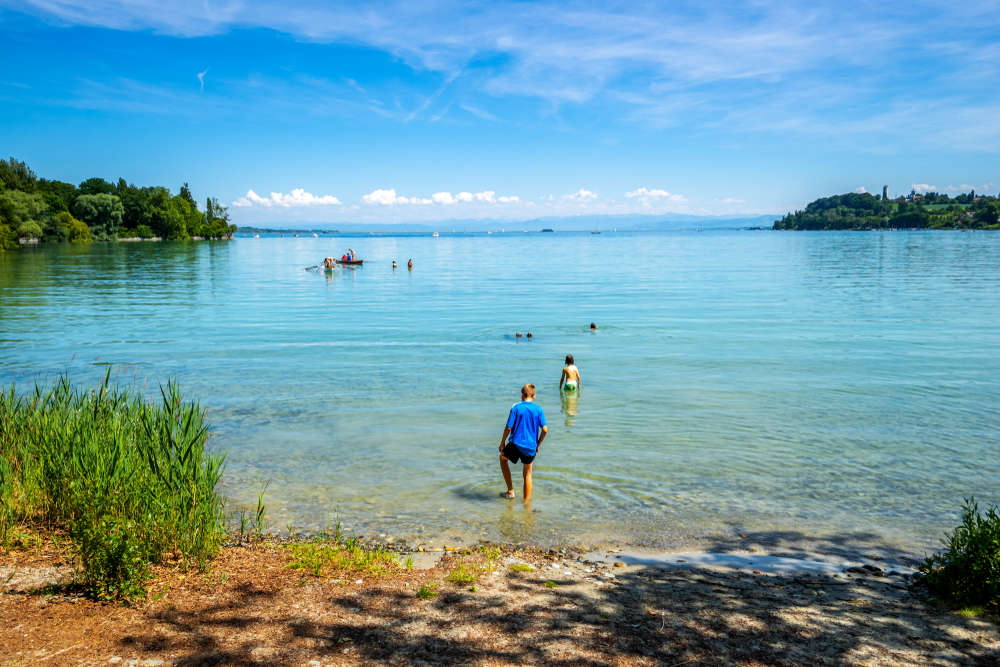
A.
x: 651, y: 617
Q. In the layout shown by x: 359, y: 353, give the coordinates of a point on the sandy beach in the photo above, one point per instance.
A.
x: 554, y: 608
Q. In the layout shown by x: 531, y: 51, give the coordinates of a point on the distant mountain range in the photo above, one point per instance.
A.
x: 567, y: 224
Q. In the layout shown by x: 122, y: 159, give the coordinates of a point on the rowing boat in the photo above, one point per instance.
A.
x: 350, y: 262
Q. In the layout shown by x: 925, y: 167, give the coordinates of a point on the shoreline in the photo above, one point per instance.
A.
x: 555, y: 607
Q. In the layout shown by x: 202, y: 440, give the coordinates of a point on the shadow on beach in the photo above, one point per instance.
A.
x: 647, y: 617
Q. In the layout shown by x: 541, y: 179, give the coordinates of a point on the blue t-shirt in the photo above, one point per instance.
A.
x: 524, y: 421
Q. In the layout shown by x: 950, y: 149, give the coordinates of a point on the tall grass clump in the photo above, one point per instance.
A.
x: 967, y: 572
x: 129, y: 480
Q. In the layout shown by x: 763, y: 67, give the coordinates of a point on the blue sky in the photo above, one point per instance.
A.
x: 399, y: 112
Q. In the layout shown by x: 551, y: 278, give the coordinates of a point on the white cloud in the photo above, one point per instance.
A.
x: 730, y: 200
x: 296, y: 199
x: 486, y: 196
x: 581, y: 196
x: 444, y: 198
x: 923, y: 187
x: 645, y: 195
x: 860, y: 190
x: 384, y: 197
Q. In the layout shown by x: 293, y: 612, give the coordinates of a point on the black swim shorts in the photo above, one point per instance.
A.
x: 514, y: 454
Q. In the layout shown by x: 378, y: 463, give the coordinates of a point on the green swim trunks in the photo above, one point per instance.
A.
x: 570, y: 386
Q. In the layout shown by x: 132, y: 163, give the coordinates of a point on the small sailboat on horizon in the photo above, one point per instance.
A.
x: 598, y: 230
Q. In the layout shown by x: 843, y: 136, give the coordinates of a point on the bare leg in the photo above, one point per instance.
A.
x: 505, y: 467
x: 527, y: 482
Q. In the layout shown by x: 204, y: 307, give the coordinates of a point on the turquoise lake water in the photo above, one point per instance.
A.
x: 834, y: 389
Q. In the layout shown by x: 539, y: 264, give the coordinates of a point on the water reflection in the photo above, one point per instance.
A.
x: 570, y: 405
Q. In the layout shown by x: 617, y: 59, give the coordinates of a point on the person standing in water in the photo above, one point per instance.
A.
x: 409, y: 265
x: 570, y: 378
x: 526, y: 428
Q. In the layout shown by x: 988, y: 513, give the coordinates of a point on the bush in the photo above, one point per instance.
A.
x: 144, y: 232
x: 128, y: 480
x: 77, y: 231
x: 967, y: 573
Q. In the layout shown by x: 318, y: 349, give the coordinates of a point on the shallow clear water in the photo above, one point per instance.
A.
x: 835, y: 388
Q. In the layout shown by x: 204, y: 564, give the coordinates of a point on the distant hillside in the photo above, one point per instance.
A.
x: 569, y: 223
x: 867, y: 211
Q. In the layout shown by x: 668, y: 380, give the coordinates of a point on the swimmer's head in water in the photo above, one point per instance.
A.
x: 529, y: 334
x: 592, y: 326
x: 527, y: 391
x: 517, y: 334
x: 569, y: 359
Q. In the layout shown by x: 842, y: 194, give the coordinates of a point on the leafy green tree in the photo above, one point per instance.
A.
x: 144, y: 232
x: 76, y: 230
x: 96, y: 186
x: 52, y: 231
x: 217, y: 219
x: 135, y: 201
x: 17, y: 176
x: 185, y: 194
x: 989, y: 214
x: 58, y: 196
x: 102, y: 213
x: 29, y: 229
x: 22, y: 213
x: 168, y: 215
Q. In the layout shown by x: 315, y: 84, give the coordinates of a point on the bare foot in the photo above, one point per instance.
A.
x: 508, y: 495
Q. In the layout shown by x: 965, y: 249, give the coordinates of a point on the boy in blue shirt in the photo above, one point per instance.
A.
x: 526, y: 428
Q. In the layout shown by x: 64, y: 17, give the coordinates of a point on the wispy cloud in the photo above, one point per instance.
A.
x: 201, y: 79
x: 793, y: 67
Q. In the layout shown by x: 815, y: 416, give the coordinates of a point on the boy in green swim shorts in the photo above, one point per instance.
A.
x: 570, y: 379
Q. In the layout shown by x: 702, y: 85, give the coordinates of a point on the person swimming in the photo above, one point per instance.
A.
x: 570, y: 378
x: 529, y: 334
x: 593, y: 327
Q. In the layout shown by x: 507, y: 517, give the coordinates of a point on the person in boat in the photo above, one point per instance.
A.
x: 344, y: 257
x: 570, y: 378
x: 350, y: 254
x: 526, y: 429
x: 329, y: 262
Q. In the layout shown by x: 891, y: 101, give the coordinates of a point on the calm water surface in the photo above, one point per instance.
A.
x: 832, y: 388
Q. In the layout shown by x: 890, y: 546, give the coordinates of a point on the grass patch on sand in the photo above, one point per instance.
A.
x: 521, y: 567
x: 463, y: 574
x: 427, y: 591
x: 350, y: 554
x: 128, y: 480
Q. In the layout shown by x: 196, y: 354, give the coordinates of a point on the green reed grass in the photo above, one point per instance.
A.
x: 967, y: 572
x: 128, y: 479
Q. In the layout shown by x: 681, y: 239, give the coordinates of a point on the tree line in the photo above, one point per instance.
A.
x: 867, y: 211
x: 98, y: 210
